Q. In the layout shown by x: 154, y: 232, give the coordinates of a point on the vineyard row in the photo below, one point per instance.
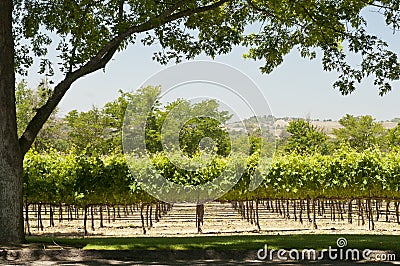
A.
x: 303, y: 181
x: 309, y: 212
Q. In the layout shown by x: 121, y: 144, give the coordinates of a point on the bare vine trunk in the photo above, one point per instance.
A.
x: 142, y: 218
x: 85, y: 220
x: 257, y: 216
x: 199, y: 217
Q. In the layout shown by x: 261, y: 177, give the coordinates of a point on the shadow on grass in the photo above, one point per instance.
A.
x: 236, y: 242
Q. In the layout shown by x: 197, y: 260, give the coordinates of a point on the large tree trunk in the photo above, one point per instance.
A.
x: 11, y: 219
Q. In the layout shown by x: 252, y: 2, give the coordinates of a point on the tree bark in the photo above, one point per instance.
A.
x: 11, y: 209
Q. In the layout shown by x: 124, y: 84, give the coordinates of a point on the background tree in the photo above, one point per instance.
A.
x: 87, y: 131
x: 195, y: 122
x: 393, y: 136
x: 26, y: 101
x: 89, y: 33
x: 114, y: 113
x: 53, y: 133
x: 99, y: 130
x: 360, y: 132
x: 305, y: 138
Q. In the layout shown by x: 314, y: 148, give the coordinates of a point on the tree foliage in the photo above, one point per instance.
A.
x: 360, y: 132
x: 89, y: 33
x: 393, y: 136
x: 305, y: 137
x: 27, y: 101
x: 75, y: 179
x: 99, y: 131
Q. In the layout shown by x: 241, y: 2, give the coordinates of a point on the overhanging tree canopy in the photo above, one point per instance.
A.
x: 89, y: 33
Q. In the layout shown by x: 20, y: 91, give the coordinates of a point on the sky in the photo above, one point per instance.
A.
x: 297, y: 88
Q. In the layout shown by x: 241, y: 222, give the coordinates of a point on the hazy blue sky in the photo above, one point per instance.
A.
x: 298, y: 88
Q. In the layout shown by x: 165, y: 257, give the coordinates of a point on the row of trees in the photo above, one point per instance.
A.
x: 359, y: 132
x: 98, y: 131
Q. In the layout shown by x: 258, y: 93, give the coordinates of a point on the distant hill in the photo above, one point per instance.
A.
x: 277, y: 126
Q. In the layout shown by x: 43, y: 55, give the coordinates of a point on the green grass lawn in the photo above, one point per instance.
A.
x: 244, y: 242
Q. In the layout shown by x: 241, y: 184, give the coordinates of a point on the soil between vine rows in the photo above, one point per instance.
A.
x: 219, y: 219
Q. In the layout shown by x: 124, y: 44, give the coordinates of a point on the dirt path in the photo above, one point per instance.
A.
x: 218, y: 219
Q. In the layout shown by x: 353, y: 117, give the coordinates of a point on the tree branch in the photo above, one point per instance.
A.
x: 99, y: 61
x: 374, y: 4
x: 259, y: 9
